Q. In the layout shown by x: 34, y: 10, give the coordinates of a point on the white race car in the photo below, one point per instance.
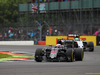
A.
x: 87, y: 46
x: 78, y: 43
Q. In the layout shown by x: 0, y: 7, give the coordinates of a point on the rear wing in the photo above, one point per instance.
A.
x: 72, y: 36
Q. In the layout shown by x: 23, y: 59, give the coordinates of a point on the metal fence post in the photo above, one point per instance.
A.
x: 40, y: 30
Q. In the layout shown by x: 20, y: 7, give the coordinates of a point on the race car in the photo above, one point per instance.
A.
x: 78, y: 43
x: 60, y: 53
x: 87, y: 46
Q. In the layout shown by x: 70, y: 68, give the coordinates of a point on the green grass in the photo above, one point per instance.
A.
x: 2, y: 55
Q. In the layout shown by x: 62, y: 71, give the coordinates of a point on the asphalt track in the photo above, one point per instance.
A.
x: 89, y: 66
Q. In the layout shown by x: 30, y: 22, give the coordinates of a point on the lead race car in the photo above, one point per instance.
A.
x: 65, y: 52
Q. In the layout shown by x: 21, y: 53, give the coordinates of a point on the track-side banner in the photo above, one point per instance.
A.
x: 89, y: 38
x: 52, y: 40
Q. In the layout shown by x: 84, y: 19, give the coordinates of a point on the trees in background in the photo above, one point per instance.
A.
x: 9, y: 11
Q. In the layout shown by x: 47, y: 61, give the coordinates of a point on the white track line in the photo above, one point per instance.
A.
x: 92, y: 73
x: 23, y: 52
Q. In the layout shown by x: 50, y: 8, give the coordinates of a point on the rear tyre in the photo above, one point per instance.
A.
x: 91, y: 46
x: 79, y: 54
x: 39, y: 55
x: 70, y: 55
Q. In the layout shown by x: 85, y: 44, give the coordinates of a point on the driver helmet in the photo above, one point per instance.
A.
x: 58, y: 45
x: 76, y: 39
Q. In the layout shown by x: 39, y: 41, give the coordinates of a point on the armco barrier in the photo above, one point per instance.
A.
x: 51, y: 40
x: 16, y: 42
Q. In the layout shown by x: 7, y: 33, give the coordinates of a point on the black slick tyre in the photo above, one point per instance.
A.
x: 79, y: 54
x: 38, y: 55
x: 70, y: 55
x: 91, y: 46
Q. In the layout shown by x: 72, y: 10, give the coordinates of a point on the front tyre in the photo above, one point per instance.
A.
x: 70, y: 55
x: 79, y: 54
x: 39, y: 55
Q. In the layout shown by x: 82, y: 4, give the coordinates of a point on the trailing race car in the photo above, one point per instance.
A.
x: 65, y: 52
x: 78, y: 43
x: 87, y: 46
